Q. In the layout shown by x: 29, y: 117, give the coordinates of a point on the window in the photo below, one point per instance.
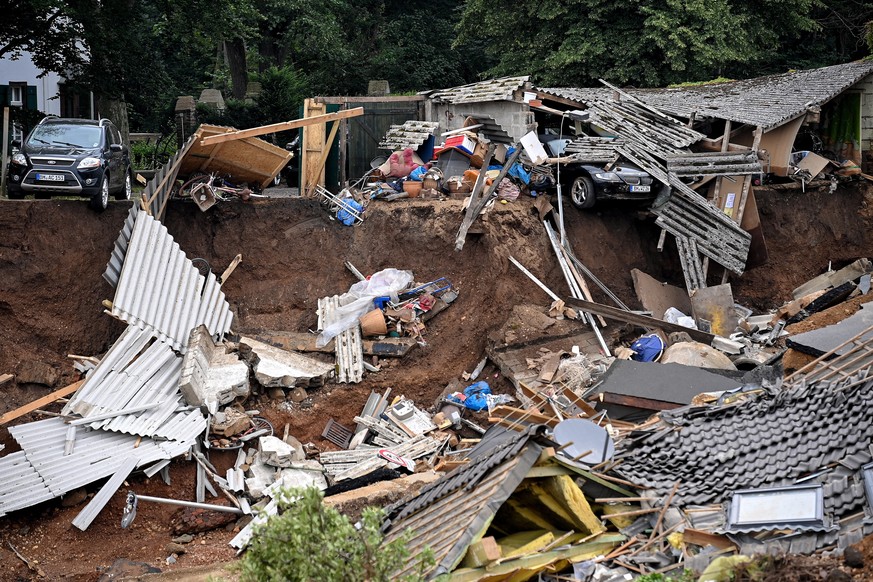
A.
x: 17, y: 94
x: 777, y: 507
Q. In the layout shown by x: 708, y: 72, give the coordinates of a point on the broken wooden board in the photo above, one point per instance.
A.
x: 40, y: 402
x: 657, y: 297
x: 636, y: 319
x: 389, y: 347
x: 249, y: 160
x: 715, y: 306
x: 834, y: 278
x: 283, y: 126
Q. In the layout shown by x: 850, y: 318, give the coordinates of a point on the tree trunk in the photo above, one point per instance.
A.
x: 115, y: 110
x: 235, y: 49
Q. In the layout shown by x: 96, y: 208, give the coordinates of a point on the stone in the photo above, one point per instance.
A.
x: 74, y: 497
x: 189, y: 520
x: 234, y: 422
x: 174, y: 548
x: 853, y: 558
x: 123, y: 568
x: 696, y: 354
x: 183, y: 539
x: 298, y: 394
x: 37, y: 373
x: 275, y: 452
x: 837, y: 575
x: 277, y: 394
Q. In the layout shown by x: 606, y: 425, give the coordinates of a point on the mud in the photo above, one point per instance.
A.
x: 53, y: 253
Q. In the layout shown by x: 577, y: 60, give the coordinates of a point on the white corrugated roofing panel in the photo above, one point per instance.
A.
x: 20, y: 486
x: 116, y: 260
x: 41, y: 471
x: 134, y: 374
x: 160, y: 289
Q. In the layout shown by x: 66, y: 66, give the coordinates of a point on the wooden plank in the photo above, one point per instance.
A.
x: 5, y: 378
x: 284, y: 126
x: 636, y: 401
x: 325, y: 152
x: 637, y: 319
x: 40, y: 402
x: 704, y: 538
x: 376, y: 99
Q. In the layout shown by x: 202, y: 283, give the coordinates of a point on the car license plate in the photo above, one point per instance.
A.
x: 640, y: 188
x: 50, y: 177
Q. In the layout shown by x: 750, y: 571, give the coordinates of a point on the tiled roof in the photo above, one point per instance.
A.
x: 771, y: 441
x: 410, y: 134
x: 503, y: 89
x: 767, y: 101
x: 447, y: 514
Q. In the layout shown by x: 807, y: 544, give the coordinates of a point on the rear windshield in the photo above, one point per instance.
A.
x: 80, y: 136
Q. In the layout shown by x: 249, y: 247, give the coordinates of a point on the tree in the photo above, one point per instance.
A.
x: 642, y: 43
x: 46, y: 30
x: 309, y: 541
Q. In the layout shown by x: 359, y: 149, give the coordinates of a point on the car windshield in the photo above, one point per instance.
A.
x: 79, y: 136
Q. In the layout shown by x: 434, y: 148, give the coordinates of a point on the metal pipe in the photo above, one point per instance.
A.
x: 194, y: 504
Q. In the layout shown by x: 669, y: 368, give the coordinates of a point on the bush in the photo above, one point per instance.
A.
x: 309, y: 541
x: 151, y: 156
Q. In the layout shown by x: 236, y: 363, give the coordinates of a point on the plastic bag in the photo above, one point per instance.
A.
x: 474, y: 396
x: 673, y: 315
x: 359, y: 300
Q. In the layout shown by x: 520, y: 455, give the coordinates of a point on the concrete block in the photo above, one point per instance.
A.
x: 275, y: 451
x: 261, y: 476
x: 302, y: 474
x: 210, y: 376
x: 275, y: 367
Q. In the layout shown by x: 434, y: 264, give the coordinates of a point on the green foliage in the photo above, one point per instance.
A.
x: 685, y: 576
x: 309, y: 541
x: 146, y: 155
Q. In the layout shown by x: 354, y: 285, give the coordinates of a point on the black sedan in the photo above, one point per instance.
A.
x: 588, y: 183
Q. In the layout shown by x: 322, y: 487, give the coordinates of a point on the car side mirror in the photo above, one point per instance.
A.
x: 16, y: 143
x: 116, y: 147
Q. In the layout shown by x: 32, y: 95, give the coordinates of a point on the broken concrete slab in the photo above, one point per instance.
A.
x: 651, y: 386
x: 211, y: 377
x: 275, y: 452
x: 261, y: 477
x: 821, y: 341
x: 391, y: 347
x: 657, y: 297
x: 834, y: 278
x: 713, y: 307
x: 300, y: 474
x: 278, y: 368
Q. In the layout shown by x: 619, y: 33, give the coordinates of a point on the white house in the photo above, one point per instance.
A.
x: 22, y: 86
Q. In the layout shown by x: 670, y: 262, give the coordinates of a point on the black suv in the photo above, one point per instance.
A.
x: 72, y: 157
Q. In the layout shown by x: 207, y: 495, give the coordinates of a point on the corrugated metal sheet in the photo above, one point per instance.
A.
x: 119, y: 251
x: 161, y: 290
x: 137, y: 371
x: 411, y: 134
x: 503, y: 89
x: 159, y: 188
x: 21, y: 486
x: 41, y: 470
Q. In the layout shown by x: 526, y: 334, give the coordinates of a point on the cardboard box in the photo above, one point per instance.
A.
x: 500, y: 152
x: 478, y: 157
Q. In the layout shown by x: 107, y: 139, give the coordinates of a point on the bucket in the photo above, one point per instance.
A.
x: 373, y: 323
x: 412, y: 188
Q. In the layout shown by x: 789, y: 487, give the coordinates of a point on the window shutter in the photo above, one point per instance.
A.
x: 4, y: 95
x: 31, y: 97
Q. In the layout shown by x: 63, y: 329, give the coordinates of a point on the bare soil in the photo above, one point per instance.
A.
x: 53, y: 253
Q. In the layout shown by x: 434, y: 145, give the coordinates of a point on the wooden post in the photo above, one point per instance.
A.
x: 5, y: 150
x: 319, y: 169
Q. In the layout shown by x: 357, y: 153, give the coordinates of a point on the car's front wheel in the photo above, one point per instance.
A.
x: 100, y: 200
x: 582, y: 192
x: 127, y: 190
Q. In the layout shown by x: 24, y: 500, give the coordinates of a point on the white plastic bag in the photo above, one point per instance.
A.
x: 673, y: 315
x: 359, y: 300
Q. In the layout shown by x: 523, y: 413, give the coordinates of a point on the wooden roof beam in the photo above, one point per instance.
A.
x: 284, y: 126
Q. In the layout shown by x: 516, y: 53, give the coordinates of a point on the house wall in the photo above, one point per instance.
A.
x: 866, y: 88
x: 23, y: 70
x: 516, y: 118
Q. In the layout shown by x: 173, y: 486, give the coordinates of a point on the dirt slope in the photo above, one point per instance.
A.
x: 52, y: 255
